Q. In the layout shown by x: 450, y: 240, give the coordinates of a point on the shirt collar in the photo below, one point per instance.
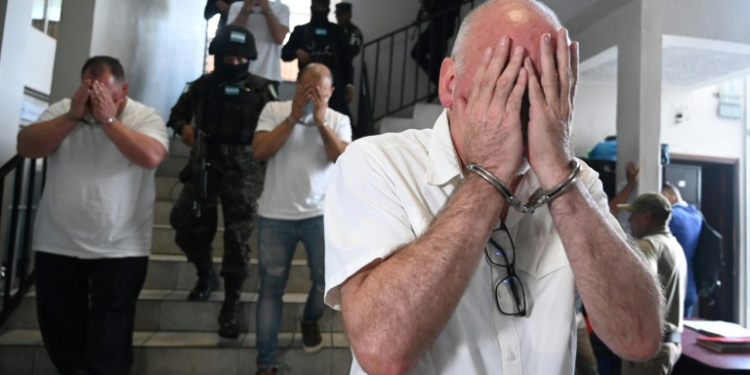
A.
x: 443, y: 165
x: 681, y: 203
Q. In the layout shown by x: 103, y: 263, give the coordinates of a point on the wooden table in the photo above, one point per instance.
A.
x: 696, y: 360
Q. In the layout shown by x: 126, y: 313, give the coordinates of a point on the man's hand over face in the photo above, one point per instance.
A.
x: 103, y: 106
x: 320, y: 105
x: 263, y: 5
x: 79, y: 100
x: 301, y: 97
x: 491, y: 117
x: 551, y: 110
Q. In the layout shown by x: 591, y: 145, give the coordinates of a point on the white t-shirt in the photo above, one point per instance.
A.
x: 268, y: 64
x: 96, y: 202
x: 384, y: 193
x: 297, y: 175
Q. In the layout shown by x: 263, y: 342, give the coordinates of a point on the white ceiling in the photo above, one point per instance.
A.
x: 686, y: 62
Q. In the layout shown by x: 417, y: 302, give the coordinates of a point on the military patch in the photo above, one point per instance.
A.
x: 232, y: 90
x: 237, y: 37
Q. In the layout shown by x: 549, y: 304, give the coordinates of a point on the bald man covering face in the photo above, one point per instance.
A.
x: 433, y: 272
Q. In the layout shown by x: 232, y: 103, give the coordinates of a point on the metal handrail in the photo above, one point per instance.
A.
x: 369, y: 92
x: 18, y: 277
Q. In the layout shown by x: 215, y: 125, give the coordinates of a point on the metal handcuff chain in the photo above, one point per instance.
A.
x: 534, y: 203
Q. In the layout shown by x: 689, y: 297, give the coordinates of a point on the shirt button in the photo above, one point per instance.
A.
x: 511, y: 356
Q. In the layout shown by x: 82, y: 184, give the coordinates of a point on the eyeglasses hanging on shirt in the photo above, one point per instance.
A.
x: 510, y: 295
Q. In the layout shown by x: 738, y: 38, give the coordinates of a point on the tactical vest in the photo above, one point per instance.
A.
x: 228, y: 112
x: 322, y: 46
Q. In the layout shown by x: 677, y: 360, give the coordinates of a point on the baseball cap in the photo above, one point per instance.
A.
x: 656, y: 204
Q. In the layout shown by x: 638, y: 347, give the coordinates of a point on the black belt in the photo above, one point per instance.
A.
x: 675, y: 337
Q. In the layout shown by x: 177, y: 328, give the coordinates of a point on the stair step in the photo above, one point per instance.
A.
x: 164, y: 186
x: 173, y: 272
x: 168, y: 310
x: 164, y: 353
x: 163, y: 243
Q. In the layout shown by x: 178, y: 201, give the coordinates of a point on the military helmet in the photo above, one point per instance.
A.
x: 235, y: 41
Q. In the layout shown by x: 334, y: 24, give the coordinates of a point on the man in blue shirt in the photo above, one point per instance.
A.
x: 686, y: 225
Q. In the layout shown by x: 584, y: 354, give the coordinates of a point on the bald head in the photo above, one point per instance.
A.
x: 523, y: 21
x: 315, y: 72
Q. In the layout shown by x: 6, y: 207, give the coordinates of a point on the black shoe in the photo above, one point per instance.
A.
x: 207, y: 282
x: 266, y: 371
x: 312, y: 341
x: 229, y: 315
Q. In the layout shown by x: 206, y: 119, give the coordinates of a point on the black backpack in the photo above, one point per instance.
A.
x: 708, y: 260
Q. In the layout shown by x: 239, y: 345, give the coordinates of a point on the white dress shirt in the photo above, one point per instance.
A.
x: 384, y: 193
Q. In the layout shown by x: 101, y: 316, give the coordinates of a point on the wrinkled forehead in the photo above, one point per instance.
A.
x: 523, y: 26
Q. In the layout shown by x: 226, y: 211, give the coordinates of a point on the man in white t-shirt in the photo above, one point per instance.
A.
x: 268, y: 21
x: 301, y: 139
x: 92, y: 234
x: 461, y: 249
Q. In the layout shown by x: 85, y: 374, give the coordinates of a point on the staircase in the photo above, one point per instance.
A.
x: 175, y: 336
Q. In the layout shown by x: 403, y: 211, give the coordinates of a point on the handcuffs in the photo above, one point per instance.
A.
x: 534, y: 202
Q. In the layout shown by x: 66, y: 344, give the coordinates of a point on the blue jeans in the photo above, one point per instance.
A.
x: 277, y: 240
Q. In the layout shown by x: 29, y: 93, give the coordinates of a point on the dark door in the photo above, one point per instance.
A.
x: 686, y: 178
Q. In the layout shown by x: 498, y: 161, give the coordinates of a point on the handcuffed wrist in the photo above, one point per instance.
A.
x: 538, y: 199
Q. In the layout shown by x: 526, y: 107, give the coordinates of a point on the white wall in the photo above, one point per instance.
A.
x: 701, y: 132
x: 15, y: 26
x: 595, y: 115
x: 159, y: 42
x: 40, y: 60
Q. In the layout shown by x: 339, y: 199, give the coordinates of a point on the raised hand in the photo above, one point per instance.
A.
x: 491, y: 117
x: 301, y: 97
x: 79, y: 101
x: 320, y: 105
x: 551, y: 109
x: 103, y: 106
x: 631, y: 172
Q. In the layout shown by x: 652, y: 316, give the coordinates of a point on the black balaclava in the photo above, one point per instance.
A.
x: 234, y: 41
x: 319, y: 16
x: 229, y: 71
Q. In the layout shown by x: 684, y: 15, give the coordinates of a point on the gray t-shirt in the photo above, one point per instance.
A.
x: 96, y: 202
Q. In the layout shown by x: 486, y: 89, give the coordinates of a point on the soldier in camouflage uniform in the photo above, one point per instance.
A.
x: 225, y: 105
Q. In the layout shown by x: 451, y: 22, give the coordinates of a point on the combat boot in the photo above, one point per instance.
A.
x: 229, y: 315
x: 207, y: 282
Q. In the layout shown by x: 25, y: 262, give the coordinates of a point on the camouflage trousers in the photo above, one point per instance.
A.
x: 235, y: 177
